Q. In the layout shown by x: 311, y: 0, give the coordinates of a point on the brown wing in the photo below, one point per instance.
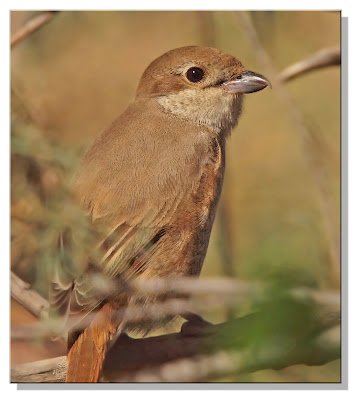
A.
x: 132, y: 181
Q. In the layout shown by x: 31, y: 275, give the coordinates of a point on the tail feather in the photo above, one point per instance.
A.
x: 86, y: 356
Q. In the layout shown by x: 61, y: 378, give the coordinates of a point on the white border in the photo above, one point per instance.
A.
x: 348, y: 9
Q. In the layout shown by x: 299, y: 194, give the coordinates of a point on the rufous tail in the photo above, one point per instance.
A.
x: 86, y: 357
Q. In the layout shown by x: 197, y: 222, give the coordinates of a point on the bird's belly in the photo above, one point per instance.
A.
x: 185, y: 245
x: 202, y: 224
x: 182, y: 249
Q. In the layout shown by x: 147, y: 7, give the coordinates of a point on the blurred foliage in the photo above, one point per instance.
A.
x: 270, y: 333
x: 72, y: 77
x: 43, y: 211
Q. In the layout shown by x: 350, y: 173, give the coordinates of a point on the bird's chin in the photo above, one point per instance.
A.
x: 232, y: 94
x: 212, y: 107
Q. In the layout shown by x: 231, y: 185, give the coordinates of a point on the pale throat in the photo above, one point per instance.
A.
x: 211, y: 107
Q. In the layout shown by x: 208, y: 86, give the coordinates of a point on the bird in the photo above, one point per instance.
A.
x: 152, y: 180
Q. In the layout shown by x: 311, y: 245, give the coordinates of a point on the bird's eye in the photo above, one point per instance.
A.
x: 195, y: 74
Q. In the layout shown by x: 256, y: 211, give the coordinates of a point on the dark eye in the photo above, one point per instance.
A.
x: 195, y: 74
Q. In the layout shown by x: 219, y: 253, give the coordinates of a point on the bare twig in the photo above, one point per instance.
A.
x: 132, y: 314
x: 31, y: 26
x: 321, y: 59
x: 195, y: 286
x: 231, y: 292
x: 308, y: 142
x: 21, y: 291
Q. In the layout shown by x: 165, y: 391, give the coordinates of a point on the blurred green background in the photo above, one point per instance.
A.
x: 73, y: 76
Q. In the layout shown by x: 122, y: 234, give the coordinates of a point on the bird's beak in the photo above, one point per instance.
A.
x: 247, y: 82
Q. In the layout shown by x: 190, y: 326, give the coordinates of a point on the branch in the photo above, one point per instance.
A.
x: 178, y: 357
x: 214, y: 351
x: 21, y: 291
x: 50, y: 370
x: 321, y: 59
x: 201, y: 368
x: 31, y: 26
x: 202, y: 294
x: 230, y: 292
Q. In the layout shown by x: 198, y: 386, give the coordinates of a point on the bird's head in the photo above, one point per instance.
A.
x: 201, y: 84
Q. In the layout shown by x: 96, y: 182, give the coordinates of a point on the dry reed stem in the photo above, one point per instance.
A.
x: 31, y: 26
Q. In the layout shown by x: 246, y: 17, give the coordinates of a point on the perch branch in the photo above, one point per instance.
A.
x: 179, y: 357
x: 321, y: 59
x: 31, y: 26
x: 201, y: 368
